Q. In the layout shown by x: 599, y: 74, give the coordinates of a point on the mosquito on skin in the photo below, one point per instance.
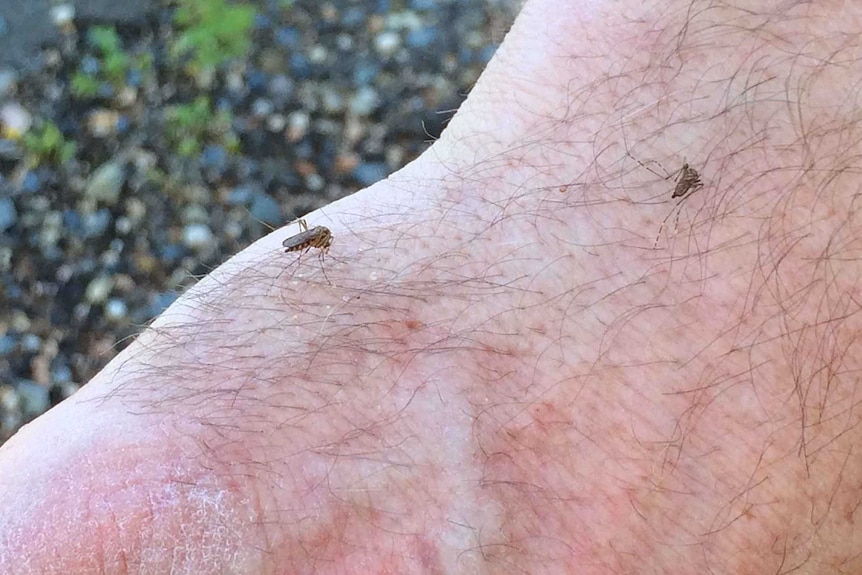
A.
x: 686, y: 182
x: 317, y: 237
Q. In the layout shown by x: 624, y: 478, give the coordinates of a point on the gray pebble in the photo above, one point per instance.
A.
x: 15, y: 119
x: 105, y: 183
x: 266, y: 209
x: 9, y: 150
x: 243, y: 194
x: 33, y: 397
x: 262, y: 107
x: 194, y: 214
x: 31, y: 343
x: 197, y: 236
x: 370, y: 172
x: 62, y: 14
x: 97, y: 223
x: 8, y: 344
x: 387, y: 43
x: 280, y: 87
x: 364, y: 101
x: 422, y: 37
x: 99, y: 289
x: 116, y: 309
x: 297, y: 124
x: 61, y: 373
x: 8, y: 214
x: 332, y: 101
x: 8, y: 81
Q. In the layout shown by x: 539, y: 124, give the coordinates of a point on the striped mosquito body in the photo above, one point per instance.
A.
x: 686, y: 182
x: 317, y: 237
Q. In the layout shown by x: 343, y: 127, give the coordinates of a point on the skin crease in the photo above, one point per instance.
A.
x: 504, y: 371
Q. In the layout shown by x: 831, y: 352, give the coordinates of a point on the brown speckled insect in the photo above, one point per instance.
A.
x: 687, y: 182
x: 317, y: 237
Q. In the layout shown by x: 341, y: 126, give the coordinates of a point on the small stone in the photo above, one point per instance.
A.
x: 344, y: 42
x: 126, y: 97
x: 106, y: 183
x: 33, y: 397
x: 90, y: 65
x: 387, y: 43
x: 62, y: 15
x: 318, y: 54
x: 370, y: 172
x: 422, y: 37
x: 333, y: 103
x: 97, y: 223
x: 300, y: 66
x: 8, y: 344
x: 297, y: 125
x: 276, y: 123
x: 280, y: 87
x: 265, y: 209
x: 8, y: 214
x: 288, y: 37
x: 116, y: 309
x: 40, y: 369
x: 15, y: 121
x: 68, y: 389
x: 160, y: 302
x: 30, y: 183
x: 364, y: 101
x: 6, y: 263
x: 197, y: 236
x: 9, y: 400
x: 8, y: 81
x: 102, y: 123
x: 256, y: 80
x: 60, y: 372
x: 234, y: 82
x: 136, y: 210
x: 194, y: 214
x: 31, y: 343
x: 98, y: 290
x: 262, y: 107
x: 365, y: 71
x: 214, y: 157
x: 52, y: 229
x: 314, y: 182
x: 123, y: 226
x: 242, y: 195
x: 9, y: 150
x: 353, y: 17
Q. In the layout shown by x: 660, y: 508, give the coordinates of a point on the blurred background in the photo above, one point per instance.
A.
x: 143, y: 143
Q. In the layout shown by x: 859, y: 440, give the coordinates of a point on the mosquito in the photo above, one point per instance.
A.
x: 686, y: 182
x: 317, y: 237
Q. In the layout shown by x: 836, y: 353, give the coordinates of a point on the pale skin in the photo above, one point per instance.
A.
x: 505, y: 374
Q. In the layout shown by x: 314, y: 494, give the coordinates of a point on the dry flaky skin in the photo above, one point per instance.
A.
x: 500, y: 378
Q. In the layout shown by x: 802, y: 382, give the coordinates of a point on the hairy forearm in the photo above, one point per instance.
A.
x: 519, y: 356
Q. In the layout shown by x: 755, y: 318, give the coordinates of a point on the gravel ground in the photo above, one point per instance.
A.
x: 97, y: 240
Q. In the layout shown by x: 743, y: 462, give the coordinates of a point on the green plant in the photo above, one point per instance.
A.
x: 189, y: 125
x: 114, y: 63
x: 46, y: 144
x: 211, y: 32
x: 84, y: 85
